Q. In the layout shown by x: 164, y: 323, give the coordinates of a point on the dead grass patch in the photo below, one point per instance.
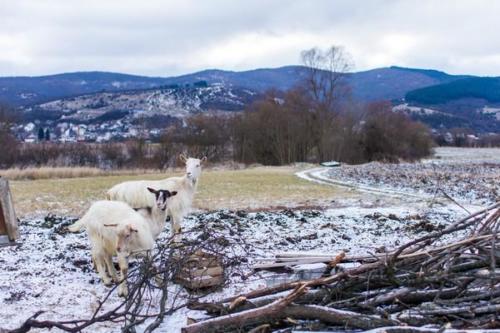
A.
x: 253, y: 188
x: 34, y: 173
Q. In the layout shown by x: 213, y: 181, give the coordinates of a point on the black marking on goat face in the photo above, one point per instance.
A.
x: 161, y: 197
x: 165, y: 194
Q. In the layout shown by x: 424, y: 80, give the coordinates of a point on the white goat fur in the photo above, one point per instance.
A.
x: 104, y: 222
x: 135, y: 193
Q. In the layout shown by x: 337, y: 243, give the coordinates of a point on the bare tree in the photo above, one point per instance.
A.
x: 324, y: 82
x: 325, y: 73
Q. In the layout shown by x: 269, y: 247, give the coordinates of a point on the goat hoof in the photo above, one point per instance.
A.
x: 107, y: 282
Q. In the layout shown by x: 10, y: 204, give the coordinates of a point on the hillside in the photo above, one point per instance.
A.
x: 376, y: 84
x: 282, y: 78
x: 27, y: 90
x: 99, y: 97
x: 172, y: 102
x: 485, y: 88
x: 472, y: 102
x: 220, y: 91
x: 394, y: 82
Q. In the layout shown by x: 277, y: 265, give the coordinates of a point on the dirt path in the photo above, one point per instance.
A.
x: 320, y: 175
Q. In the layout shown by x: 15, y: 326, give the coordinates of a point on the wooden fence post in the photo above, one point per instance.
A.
x: 8, y: 220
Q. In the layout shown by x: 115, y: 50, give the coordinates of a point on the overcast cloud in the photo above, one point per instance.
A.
x: 164, y: 38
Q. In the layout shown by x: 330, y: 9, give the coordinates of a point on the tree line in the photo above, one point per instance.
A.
x: 272, y: 131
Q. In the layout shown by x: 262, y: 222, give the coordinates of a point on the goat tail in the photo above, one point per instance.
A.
x: 77, y: 226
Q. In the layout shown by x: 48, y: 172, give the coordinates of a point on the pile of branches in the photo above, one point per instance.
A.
x: 428, y: 281
x: 152, y: 294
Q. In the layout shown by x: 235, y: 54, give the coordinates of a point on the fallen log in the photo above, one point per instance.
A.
x: 257, y: 316
x: 411, y: 329
x: 473, y: 310
x: 272, y: 265
x: 333, y: 316
x: 410, y: 296
x: 292, y: 259
x: 285, y: 256
x: 243, y: 304
x: 278, y: 310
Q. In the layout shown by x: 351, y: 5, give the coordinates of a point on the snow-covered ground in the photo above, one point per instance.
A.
x: 467, y: 175
x: 405, y: 107
x: 51, y: 270
x: 174, y: 102
x: 465, y: 155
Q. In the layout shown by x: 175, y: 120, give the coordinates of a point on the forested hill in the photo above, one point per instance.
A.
x: 381, y: 83
x: 485, y: 88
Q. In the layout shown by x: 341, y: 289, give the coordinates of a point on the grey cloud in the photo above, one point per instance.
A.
x: 173, y: 37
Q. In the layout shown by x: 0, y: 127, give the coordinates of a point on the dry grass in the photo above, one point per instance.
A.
x: 254, y: 188
x: 64, y: 172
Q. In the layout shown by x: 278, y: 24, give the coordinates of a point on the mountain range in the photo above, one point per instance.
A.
x: 435, y: 97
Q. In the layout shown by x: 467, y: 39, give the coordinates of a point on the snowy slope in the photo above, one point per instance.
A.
x: 175, y: 102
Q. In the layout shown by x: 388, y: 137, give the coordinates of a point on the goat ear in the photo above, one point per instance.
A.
x: 152, y: 190
x: 204, y: 159
x: 183, y: 158
x: 173, y: 193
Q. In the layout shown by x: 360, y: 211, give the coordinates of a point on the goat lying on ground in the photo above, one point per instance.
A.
x: 135, y: 194
x: 115, y: 228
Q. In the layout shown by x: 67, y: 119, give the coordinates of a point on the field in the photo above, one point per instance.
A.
x: 253, y: 188
x: 70, y: 191
x: 356, y: 209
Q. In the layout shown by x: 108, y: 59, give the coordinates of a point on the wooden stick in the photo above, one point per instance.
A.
x: 290, y: 259
x: 494, y: 308
x: 413, y: 329
x: 303, y: 255
x: 290, y: 263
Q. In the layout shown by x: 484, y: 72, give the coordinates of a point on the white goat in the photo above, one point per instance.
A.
x: 115, y: 228
x: 135, y: 192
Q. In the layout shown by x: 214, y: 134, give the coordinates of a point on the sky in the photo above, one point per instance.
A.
x: 165, y: 38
